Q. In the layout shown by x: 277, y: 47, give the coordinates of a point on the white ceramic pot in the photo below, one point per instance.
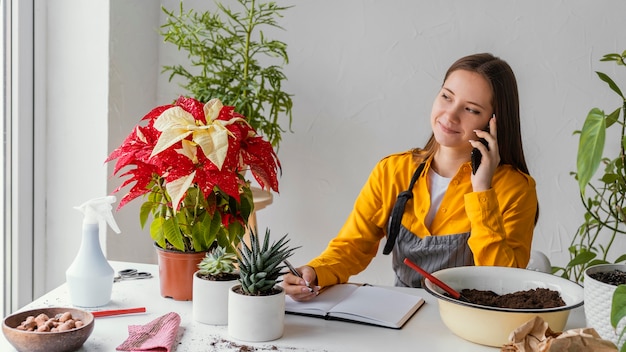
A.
x: 256, y: 318
x: 210, y: 300
x: 598, y: 300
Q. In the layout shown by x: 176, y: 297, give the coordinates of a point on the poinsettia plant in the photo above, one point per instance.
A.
x: 188, y: 160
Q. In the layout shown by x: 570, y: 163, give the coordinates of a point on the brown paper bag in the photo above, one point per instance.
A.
x: 536, y: 336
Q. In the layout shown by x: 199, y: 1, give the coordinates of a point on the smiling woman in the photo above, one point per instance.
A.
x: 463, y: 106
x: 433, y: 210
x: 103, y: 63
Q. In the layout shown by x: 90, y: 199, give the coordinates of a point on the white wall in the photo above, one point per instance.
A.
x: 77, y: 86
x: 134, y: 70
x: 363, y: 75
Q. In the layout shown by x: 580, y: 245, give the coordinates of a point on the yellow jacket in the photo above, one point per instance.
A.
x: 501, y: 219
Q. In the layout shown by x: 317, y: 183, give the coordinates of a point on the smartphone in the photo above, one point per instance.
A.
x: 476, y: 155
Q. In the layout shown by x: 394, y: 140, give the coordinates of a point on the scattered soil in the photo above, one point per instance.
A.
x: 538, y: 298
x: 614, y: 277
x: 221, y: 344
x: 219, y: 277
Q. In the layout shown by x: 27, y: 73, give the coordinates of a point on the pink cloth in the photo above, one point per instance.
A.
x: 158, y: 335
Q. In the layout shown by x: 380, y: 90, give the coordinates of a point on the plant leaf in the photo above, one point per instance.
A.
x: 582, y: 258
x: 173, y: 124
x: 618, y: 306
x: 172, y: 234
x: 590, y: 147
x: 156, y: 231
x: 178, y: 188
x: 611, y: 84
x: 214, y: 143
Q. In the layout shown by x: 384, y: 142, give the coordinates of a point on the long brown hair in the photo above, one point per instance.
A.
x: 505, y: 105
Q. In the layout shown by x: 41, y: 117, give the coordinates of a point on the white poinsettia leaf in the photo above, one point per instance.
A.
x: 212, y: 109
x: 175, y: 125
x: 174, y: 117
x: 177, y: 188
x: 169, y: 138
x: 190, y: 150
x: 214, y: 143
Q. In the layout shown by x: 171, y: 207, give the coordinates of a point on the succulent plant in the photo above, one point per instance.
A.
x: 218, y: 263
x: 261, y: 264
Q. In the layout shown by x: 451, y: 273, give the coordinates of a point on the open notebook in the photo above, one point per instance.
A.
x: 360, y: 304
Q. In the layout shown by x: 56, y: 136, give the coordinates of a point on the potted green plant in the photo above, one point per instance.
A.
x: 217, y: 273
x: 187, y: 160
x: 600, y: 287
x: 604, y: 200
x: 256, y: 306
x: 232, y: 58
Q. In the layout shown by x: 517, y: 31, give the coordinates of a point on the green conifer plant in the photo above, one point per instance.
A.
x: 231, y: 57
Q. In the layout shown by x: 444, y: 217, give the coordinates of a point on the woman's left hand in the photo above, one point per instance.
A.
x: 481, y: 181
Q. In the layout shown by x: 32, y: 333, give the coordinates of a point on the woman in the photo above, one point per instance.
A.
x: 430, y: 203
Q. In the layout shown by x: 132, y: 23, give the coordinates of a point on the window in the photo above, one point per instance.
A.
x: 17, y: 154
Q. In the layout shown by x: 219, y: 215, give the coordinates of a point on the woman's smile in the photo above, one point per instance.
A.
x: 445, y: 129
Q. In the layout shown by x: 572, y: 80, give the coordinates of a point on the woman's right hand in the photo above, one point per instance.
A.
x: 297, y: 288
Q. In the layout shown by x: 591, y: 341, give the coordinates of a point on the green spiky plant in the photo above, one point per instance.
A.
x: 261, y: 264
x: 218, y: 265
x: 231, y: 57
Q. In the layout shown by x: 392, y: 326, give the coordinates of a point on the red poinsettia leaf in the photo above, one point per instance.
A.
x: 132, y: 194
x: 141, y: 186
x: 136, y: 148
x: 123, y: 149
x: 156, y: 112
x: 192, y: 106
x: 229, y: 184
x: 241, y: 130
x: 178, y: 168
x: 226, y: 113
x: 207, y: 180
x: 263, y: 161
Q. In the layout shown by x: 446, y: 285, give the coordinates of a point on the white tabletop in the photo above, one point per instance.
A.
x: 423, y: 332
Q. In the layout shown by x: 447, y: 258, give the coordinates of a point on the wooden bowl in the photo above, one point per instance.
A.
x: 63, y: 341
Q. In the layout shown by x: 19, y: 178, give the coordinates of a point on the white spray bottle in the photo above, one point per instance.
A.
x: 90, y: 277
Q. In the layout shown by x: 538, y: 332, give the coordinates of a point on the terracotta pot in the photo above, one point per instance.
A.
x: 256, y: 318
x: 176, y: 270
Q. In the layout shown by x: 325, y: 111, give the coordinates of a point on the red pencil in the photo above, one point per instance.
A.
x: 107, y: 313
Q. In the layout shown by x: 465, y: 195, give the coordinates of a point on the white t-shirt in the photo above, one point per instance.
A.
x: 438, y: 186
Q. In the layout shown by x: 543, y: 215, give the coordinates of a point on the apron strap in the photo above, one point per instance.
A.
x: 398, y: 211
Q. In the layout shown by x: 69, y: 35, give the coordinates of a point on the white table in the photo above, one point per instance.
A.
x: 423, y: 332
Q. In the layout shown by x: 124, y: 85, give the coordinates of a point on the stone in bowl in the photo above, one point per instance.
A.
x: 32, y: 341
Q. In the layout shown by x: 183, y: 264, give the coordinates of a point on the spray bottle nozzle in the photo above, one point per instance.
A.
x: 98, y: 211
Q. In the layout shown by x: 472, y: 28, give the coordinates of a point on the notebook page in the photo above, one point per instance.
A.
x: 323, y: 303
x: 378, y: 305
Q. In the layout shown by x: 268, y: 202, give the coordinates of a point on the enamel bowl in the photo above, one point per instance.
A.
x: 492, y: 326
x: 63, y: 341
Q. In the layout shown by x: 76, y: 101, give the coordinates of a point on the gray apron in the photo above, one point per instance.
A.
x: 432, y: 253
